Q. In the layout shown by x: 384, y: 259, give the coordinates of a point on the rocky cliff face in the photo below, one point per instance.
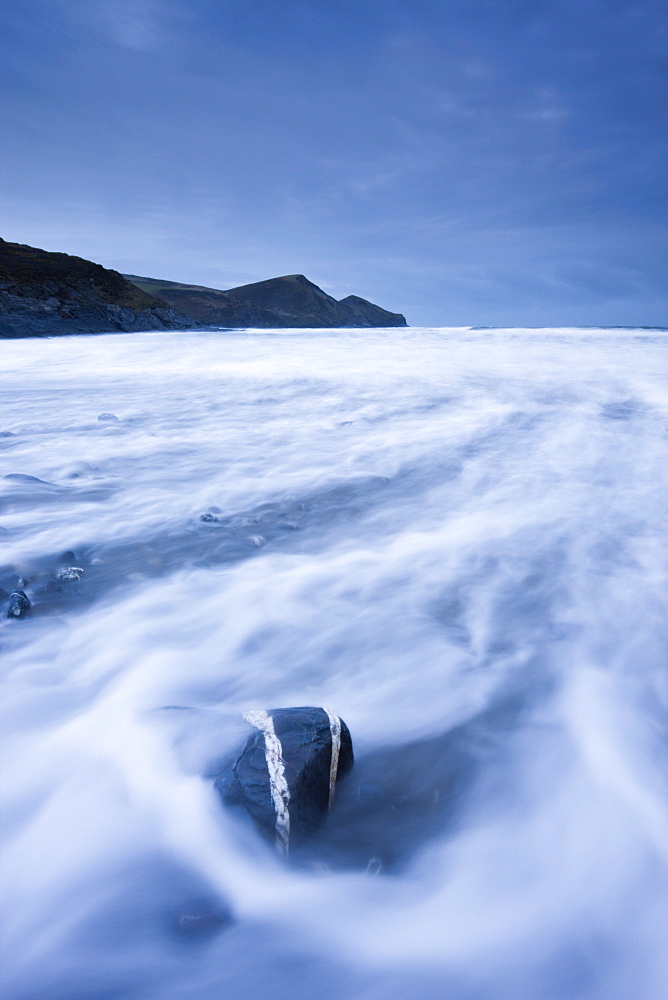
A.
x: 44, y: 294
x: 288, y: 301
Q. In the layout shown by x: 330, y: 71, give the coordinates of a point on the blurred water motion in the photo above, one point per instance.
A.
x: 455, y: 539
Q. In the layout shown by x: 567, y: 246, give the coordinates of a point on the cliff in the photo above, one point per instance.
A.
x: 47, y: 294
x: 289, y: 301
x: 43, y: 294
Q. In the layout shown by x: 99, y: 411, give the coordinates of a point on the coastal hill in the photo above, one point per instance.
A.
x: 289, y: 301
x: 49, y: 294
x: 44, y: 294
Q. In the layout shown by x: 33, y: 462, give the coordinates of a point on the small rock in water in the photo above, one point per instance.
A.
x: 287, y: 773
x: 70, y: 573
x: 19, y: 605
x: 208, y: 517
x: 108, y: 418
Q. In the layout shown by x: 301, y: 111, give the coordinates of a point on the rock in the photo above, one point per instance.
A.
x: 287, y: 773
x: 19, y: 605
x: 70, y: 573
x: 108, y: 418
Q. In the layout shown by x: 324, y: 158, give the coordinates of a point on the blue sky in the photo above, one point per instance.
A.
x: 498, y: 162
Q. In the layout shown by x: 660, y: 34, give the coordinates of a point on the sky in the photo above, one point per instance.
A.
x: 465, y: 162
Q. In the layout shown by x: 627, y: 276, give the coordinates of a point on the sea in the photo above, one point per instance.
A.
x: 456, y: 540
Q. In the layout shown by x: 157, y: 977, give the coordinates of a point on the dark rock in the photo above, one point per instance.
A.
x: 286, y: 774
x: 19, y: 605
x: 208, y: 517
x: 45, y: 294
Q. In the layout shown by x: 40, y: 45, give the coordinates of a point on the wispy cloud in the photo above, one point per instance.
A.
x: 142, y: 25
x: 546, y: 106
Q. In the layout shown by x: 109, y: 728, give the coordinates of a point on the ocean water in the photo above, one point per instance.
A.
x: 456, y: 540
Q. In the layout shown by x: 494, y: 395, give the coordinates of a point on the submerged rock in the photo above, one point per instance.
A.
x: 70, y: 573
x: 287, y: 773
x: 19, y: 605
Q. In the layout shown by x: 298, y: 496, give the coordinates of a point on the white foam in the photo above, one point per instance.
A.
x: 480, y: 520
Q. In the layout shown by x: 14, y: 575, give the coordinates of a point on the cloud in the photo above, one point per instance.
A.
x: 135, y: 24
x: 547, y: 106
x: 141, y: 25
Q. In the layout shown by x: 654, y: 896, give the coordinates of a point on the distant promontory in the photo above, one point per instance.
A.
x: 289, y: 301
x: 47, y: 294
